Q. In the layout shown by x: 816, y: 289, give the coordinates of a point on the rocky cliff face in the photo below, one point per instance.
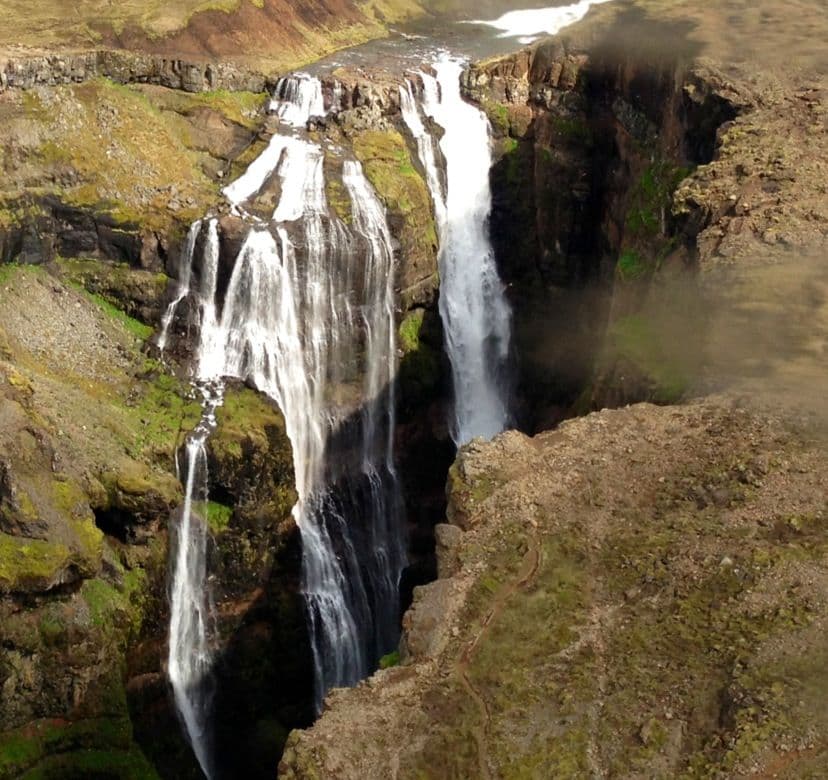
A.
x: 26, y: 71
x: 640, y: 592
x: 623, y: 176
x: 91, y: 429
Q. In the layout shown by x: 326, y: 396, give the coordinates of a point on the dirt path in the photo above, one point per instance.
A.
x: 528, y: 570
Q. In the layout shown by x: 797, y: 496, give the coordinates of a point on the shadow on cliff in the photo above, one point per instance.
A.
x: 585, y: 176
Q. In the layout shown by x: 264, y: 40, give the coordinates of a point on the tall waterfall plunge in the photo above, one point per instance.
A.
x: 476, y: 316
x: 308, y: 318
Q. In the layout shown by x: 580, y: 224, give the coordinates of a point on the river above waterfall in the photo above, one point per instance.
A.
x: 421, y: 41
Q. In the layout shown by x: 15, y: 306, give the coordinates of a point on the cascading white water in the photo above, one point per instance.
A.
x: 476, y: 316
x: 189, y: 660
x: 297, y: 98
x: 426, y: 148
x: 308, y: 317
x: 183, y: 289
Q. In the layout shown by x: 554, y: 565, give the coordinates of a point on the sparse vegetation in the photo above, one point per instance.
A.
x: 651, y: 198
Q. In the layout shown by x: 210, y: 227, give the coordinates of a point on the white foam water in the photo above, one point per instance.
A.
x: 476, y: 316
x: 308, y: 317
x: 190, y: 657
x: 183, y: 287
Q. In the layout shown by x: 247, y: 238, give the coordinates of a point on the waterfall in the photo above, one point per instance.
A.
x: 308, y: 318
x: 189, y: 660
x: 183, y: 288
x: 297, y: 98
x: 473, y: 307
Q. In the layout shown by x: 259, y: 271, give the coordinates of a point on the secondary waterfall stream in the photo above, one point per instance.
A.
x: 473, y: 307
x: 308, y: 318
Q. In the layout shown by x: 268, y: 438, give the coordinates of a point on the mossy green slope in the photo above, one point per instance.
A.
x: 89, y: 431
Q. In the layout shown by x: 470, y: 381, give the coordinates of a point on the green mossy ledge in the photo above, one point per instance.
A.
x: 56, y: 749
x: 390, y: 168
x: 252, y: 490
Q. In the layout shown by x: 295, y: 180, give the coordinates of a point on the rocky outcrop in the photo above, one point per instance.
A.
x: 640, y: 592
x: 50, y: 229
x: 88, y: 485
x: 263, y: 681
x: 27, y: 71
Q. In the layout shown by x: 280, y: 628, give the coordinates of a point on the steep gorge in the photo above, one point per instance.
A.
x: 591, y: 226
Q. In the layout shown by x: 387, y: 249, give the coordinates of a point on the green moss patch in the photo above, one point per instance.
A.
x: 218, y: 516
x: 392, y: 659
x: 651, y: 197
x: 159, y: 412
x: 31, y: 564
x: 636, y: 340
x: 409, y: 333
x: 132, y: 326
x: 387, y: 162
x: 46, y: 749
x: 242, y: 108
x: 631, y: 265
x: 244, y: 417
x: 498, y: 115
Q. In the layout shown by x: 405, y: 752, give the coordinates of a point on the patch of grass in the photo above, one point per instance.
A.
x: 637, y: 340
x: 100, y: 747
x: 651, y: 198
x: 218, y: 516
x: 17, y: 752
x: 409, y: 333
x: 117, y: 610
x: 388, y: 166
x: 392, y: 659
x: 159, y: 412
x: 125, y: 765
x: 498, y: 115
x: 134, y: 327
x: 243, y: 108
x: 9, y: 270
x: 104, y: 601
x: 249, y: 421
x: 631, y: 265
x: 338, y: 198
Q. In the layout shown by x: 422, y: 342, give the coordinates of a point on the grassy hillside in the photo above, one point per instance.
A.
x: 274, y: 34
